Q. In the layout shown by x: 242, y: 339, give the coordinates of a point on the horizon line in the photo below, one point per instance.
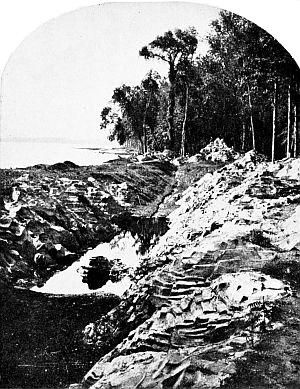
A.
x: 45, y: 139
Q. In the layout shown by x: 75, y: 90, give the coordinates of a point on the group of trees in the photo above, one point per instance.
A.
x: 246, y: 89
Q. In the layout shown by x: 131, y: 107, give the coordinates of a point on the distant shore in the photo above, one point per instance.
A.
x: 22, y: 154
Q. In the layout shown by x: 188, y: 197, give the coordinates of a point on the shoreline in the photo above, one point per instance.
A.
x: 26, y: 154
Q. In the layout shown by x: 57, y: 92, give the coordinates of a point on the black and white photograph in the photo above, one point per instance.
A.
x: 149, y: 195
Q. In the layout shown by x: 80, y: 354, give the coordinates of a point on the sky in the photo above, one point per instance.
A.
x: 58, y: 79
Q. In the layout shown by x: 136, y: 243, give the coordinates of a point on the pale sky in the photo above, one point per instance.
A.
x: 61, y: 76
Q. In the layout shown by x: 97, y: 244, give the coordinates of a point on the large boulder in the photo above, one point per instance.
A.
x: 218, y: 151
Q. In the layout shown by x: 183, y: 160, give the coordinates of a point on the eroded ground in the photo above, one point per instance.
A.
x: 211, y: 297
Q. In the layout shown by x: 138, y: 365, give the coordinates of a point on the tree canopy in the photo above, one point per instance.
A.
x: 136, y: 115
x: 245, y: 89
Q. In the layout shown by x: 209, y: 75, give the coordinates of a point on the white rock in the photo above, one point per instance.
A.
x: 194, y: 158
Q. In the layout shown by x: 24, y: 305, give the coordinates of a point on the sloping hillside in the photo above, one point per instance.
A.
x: 210, y: 293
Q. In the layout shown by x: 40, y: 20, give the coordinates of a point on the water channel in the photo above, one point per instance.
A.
x: 128, y: 249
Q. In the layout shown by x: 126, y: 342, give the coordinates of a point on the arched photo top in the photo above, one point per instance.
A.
x: 61, y: 77
x: 149, y: 202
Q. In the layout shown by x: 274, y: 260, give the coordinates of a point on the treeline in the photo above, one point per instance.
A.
x: 246, y: 89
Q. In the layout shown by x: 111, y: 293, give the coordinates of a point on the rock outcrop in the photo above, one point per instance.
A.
x: 50, y: 215
x: 205, y: 281
x: 216, y: 151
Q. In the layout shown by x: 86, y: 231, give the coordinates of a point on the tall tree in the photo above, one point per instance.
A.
x: 255, y: 61
x: 172, y: 48
x: 274, y: 121
x: 288, y: 137
x: 227, y: 93
x: 150, y: 88
x: 187, y: 78
x: 135, y: 109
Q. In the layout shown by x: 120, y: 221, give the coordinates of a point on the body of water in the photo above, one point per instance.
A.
x: 25, y: 154
x: 129, y: 247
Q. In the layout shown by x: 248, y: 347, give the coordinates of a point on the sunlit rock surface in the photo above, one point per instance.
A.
x: 215, y: 151
x: 205, y: 281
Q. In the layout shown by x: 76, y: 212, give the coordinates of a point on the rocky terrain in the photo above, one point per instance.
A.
x: 216, y: 151
x: 207, y: 304
x: 210, y: 302
x: 50, y: 215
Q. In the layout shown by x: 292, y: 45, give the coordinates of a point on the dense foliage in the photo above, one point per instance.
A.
x: 245, y: 89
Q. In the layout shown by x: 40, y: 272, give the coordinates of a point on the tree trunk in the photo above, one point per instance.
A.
x: 183, y: 131
x: 288, y: 137
x: 297, y: 120
x: 171, y: 110
x: 251, y: 119
x: 295, y: 133
x: 274, y: 121
x: 144, y: 124
x: 141, y: 145
x: 243, y: 137
x: 145, y: 140
x: 171, y: 106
